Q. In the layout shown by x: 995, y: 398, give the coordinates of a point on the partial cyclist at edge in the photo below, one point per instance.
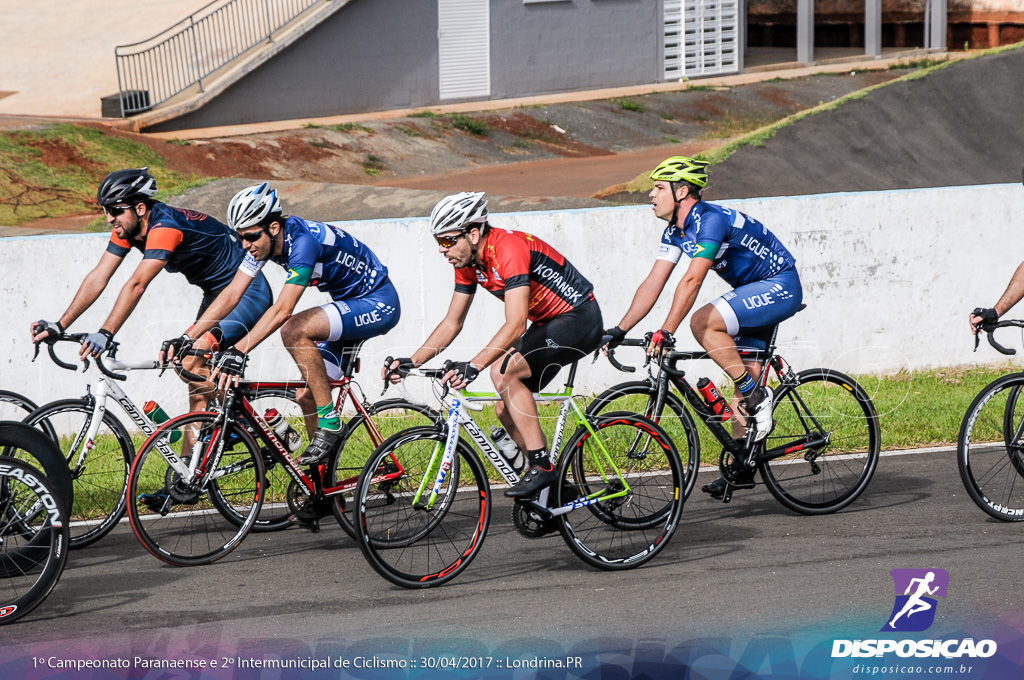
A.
x: 537, y: 285
x: 1011, y: 296
x: 747, y: 256
x: 196, y: 245
x: 364, y: 304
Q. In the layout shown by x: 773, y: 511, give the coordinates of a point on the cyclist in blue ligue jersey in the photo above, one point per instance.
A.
x: 204, y: 250
x: 364, y: 304
x: 762, y: 272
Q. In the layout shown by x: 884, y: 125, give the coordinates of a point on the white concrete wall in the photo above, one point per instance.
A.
x: 889, y: 278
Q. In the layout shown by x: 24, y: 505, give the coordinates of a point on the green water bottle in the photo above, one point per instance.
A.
x: 156, y: 413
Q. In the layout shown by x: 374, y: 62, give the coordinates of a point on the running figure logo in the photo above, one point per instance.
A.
x: 916, y: 589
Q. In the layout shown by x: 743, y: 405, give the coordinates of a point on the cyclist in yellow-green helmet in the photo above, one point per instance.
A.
x: 761, y: 271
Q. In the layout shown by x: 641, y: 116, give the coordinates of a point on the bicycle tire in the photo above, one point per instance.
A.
x: 990, y: 449
x: 18, y: 440
x: 390, y: 416
x: 187, y: 527
x: 100, y: 480
x: 31, y: 562
x: 417, y: 547
x: 16, y: 407
x: 821, y: 479
x: 639, y: 397
x: 627, y: 531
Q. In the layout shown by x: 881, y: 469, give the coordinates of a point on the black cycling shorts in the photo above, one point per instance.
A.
x: 552, y: 344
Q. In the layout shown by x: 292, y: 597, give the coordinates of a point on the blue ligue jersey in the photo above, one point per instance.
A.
x: 318, y: 254
x: 206, y: 251
x: 741, y: 248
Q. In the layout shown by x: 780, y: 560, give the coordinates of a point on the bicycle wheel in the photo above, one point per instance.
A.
x: 99, y: 468
x: 406, y: 539
x: 639, y: 397
x: 34, y: 538
x: 14, y: 406
x: 626, y: 505
x: 824, y: 447
x: 184, y: 525
x: 346, y: 463
x: 990, y: 449
x: 276, y: 514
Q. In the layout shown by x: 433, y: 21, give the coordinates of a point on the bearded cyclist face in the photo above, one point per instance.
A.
x: 124, y: 219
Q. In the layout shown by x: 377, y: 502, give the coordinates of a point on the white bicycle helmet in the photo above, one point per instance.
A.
x: 458, y: 212
x: 251, y: 205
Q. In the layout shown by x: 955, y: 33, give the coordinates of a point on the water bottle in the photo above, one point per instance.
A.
x: 508, y: 448
x: 155, y: 413
x: 284, y: 431
x: 719, y: 406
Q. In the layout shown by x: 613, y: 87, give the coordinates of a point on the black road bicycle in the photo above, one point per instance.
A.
x: 819, y: 456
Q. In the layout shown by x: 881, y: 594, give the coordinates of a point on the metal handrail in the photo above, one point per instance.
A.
x: 152, y: 71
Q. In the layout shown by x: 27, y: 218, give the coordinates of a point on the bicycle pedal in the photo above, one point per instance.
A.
x: 727, y: 494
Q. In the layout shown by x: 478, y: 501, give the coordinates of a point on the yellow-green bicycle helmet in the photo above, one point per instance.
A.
x: 682, y: 169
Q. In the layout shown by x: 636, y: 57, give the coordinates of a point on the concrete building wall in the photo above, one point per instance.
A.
x: 573, y: 45
x: 383, y: 54
x: 370, y: 55
x: 883, y: 274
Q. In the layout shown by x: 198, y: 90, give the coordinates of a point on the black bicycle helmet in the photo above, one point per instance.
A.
x: 126, y: 186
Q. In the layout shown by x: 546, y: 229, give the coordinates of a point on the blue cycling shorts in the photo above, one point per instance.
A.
x: 753, y: 307
x: 353, y: 321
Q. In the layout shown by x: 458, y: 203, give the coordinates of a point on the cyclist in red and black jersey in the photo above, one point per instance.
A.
x: 185, y: 241
x: 537, y: 284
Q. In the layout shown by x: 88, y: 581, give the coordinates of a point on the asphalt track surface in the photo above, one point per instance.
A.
x: 732, y: 575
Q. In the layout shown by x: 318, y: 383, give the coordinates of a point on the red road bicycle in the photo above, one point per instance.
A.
x: 203, y: 480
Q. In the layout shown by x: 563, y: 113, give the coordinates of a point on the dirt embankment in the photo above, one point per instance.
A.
x: 957, y: 126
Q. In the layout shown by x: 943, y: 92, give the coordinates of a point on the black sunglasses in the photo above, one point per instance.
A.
x: 115, y: 210
x: 252, y: 236
x: 448, y: 241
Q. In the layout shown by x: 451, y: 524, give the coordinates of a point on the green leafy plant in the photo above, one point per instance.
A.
x: 627, y: 104
x: 468, y: 124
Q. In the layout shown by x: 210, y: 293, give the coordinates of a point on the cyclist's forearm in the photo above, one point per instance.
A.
x: 273, y: 319
x: 682, y: 303
x: 643, y: 301
x: 221, y: 306
x: 1013, y: 293
x: 499, y: 344
x: 92, y: 286
x: 436, y: 342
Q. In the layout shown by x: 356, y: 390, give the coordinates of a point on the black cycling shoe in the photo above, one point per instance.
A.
x: 322, y: 443
x: 535, y: 479
x: 155, y: 501
x: 716, y: 489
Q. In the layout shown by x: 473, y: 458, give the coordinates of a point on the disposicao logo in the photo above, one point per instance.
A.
x: 916, y: 590
x: 914, y: 611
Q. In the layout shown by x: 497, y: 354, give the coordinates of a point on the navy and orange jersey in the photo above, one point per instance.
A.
x: 510, y: 259
x: 206, y: 251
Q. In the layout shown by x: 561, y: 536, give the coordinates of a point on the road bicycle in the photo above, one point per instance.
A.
x: 820, y: 454
x: 198, y: 482
x: 990, y: 446
x: 34, y: 507
x: 424, y: 499
x: 97, y: 445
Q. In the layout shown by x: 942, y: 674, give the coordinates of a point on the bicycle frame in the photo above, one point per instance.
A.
x: 740, y: 448
x: 237, y: 406
x: 458, y: 419
x: 106, y: 388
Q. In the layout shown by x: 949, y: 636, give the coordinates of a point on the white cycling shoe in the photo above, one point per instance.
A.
x: 758, y: 405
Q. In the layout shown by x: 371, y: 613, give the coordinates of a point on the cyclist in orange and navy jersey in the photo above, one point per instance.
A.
x: 204, y: 250
x: 537, y: 285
